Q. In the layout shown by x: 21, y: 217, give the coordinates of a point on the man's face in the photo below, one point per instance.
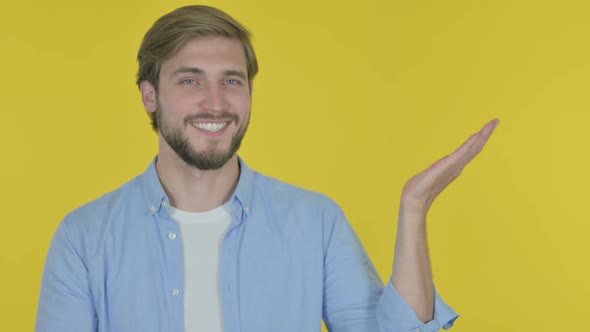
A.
x: 203, y: 102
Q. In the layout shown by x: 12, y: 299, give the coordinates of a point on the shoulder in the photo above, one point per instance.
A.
x: 94, y: 216
x: 298, y: 213
x: 286, y: 195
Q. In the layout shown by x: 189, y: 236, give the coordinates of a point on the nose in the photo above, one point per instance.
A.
x: 214, y: 99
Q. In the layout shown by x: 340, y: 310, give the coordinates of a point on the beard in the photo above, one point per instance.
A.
x: 179, y: 142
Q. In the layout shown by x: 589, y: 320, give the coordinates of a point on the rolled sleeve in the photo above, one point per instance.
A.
x: 394, y: 314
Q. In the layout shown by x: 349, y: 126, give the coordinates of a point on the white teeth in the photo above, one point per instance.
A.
x: 210, y: 126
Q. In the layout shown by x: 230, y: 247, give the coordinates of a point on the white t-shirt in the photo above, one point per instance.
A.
x: 202, y: 235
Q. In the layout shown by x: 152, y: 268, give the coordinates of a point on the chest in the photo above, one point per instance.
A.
x: 270, y: 276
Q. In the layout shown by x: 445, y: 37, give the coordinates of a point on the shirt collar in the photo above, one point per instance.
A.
x: 156, y: 198
x: 245, y: 188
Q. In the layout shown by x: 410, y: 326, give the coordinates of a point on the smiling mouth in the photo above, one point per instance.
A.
x: 210, y: 126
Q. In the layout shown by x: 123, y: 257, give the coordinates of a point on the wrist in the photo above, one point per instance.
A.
x: 413, y: 208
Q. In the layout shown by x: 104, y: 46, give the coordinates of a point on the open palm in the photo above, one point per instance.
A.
x: 422, y: 189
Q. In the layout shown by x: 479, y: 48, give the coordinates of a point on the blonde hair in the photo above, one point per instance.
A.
x: 172, y: 31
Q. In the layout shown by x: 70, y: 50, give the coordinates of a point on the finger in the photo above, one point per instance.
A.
x: 471, y: 148
x: 479, y: 142
x: 456, y: 161
x: 489, y: 128
x: 452, y: 162
x: 485, y: 133
x: 464, y: 150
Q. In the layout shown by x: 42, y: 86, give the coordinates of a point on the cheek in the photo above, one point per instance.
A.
x: 177, y: 104
x: 242, y: 103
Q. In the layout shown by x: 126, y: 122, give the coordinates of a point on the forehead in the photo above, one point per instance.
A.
x: 209, y: 54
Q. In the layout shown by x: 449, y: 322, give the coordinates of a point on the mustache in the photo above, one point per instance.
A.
x: 209, y: 116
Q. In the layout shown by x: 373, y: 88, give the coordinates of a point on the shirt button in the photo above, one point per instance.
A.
x: 164, y: 203
x: 247, y: 209
x: 175, y: 291
x: 153, y: 209
x: 172, y: 235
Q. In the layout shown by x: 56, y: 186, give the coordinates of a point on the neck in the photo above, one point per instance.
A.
x: 194, y: 190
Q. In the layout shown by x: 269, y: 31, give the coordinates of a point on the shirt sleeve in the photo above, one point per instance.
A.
x: 394, y: 314
x: 355, y: 299
x: 65, y: 303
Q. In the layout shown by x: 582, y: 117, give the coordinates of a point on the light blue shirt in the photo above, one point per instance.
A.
x: 289, y: 259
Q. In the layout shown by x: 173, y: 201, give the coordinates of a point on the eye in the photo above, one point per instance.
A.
x: 189, y: 81
x: 232, y: 82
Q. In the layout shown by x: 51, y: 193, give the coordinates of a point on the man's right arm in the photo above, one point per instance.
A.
x: 66, y: 302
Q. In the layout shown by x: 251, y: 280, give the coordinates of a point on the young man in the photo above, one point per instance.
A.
x: 200, y: 242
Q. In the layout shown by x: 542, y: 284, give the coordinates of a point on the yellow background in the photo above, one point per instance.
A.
x: 352, y: 99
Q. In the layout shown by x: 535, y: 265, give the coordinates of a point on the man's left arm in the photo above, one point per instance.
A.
x: 412, y: 276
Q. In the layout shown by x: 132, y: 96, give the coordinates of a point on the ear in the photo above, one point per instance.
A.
x: 148, y: 96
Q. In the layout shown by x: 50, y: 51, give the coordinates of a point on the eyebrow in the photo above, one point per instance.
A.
x: 194, y: 70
